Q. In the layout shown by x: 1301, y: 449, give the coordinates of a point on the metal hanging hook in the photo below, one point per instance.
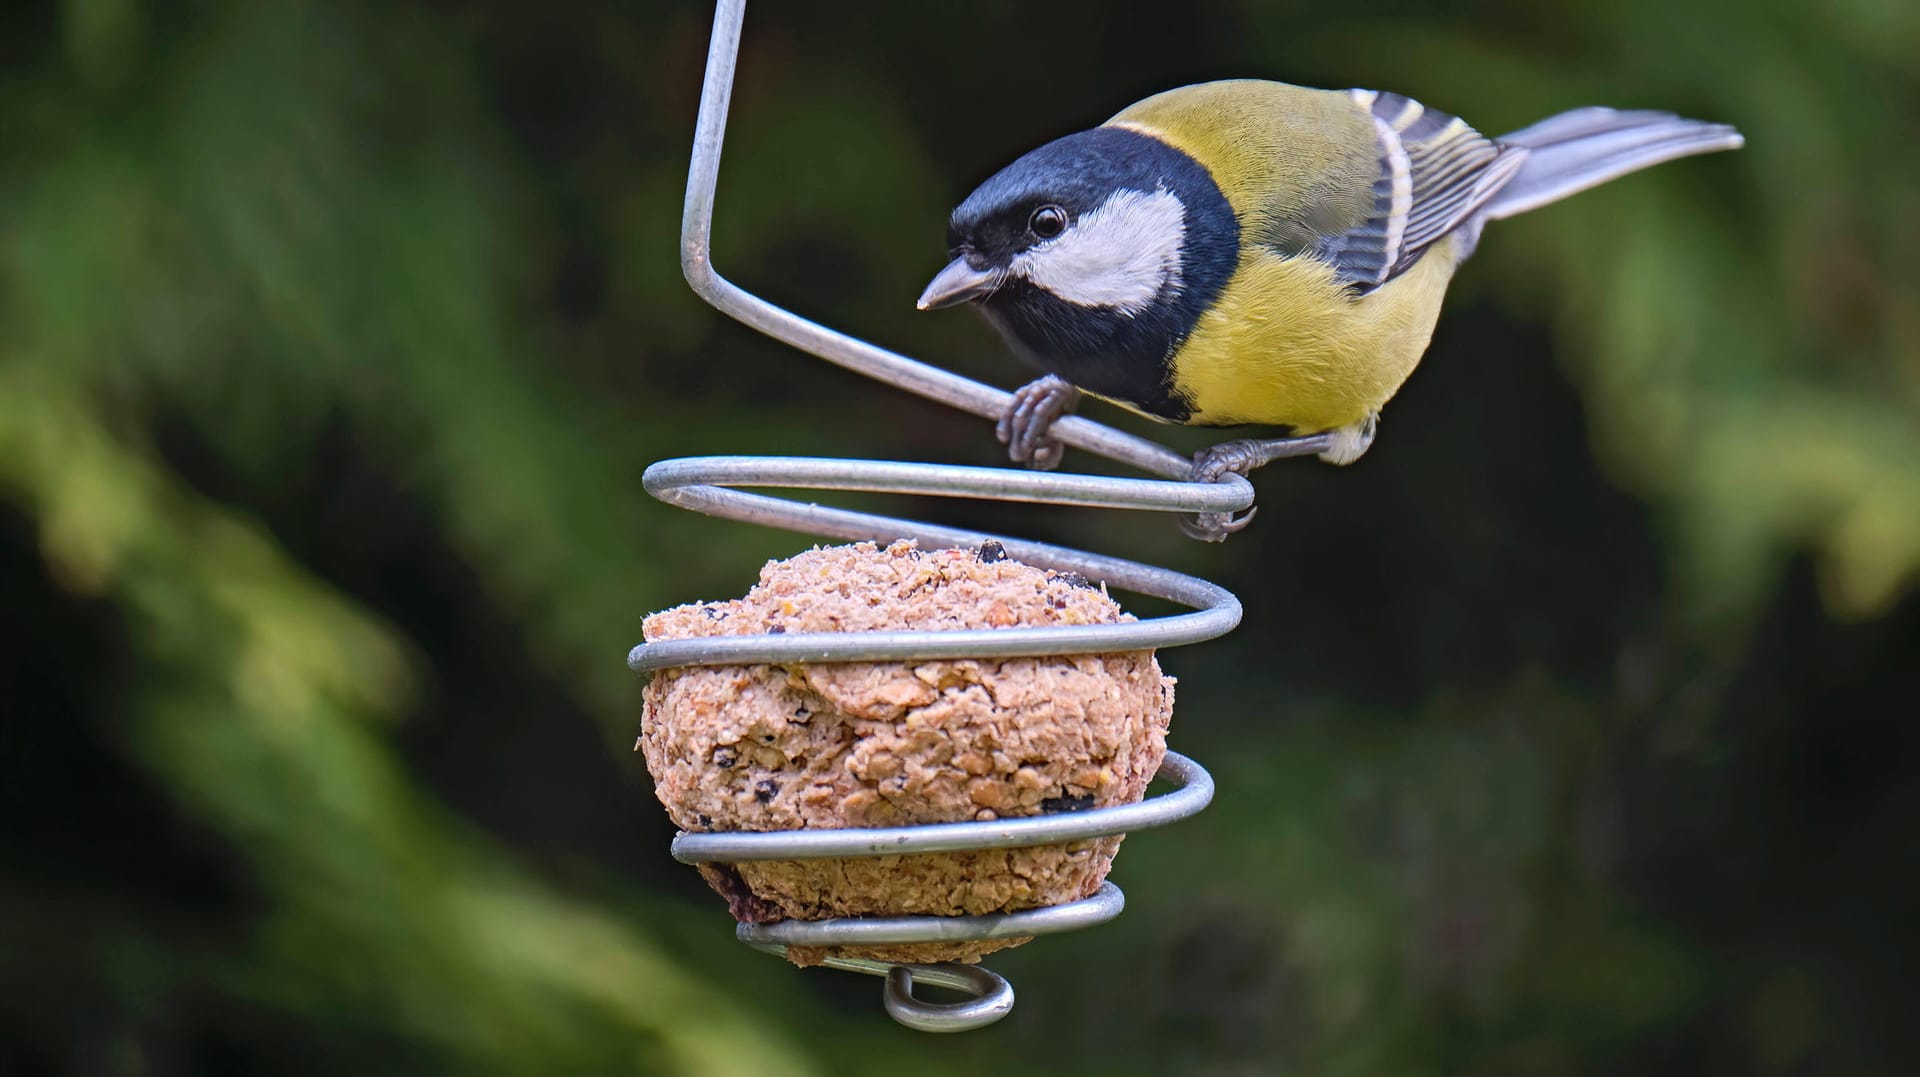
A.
x: 705, y: 484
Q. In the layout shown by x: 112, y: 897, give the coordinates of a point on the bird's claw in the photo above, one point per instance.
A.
x: 1214, y: 526
x: 1036, y: 406
x: 1211, y: 465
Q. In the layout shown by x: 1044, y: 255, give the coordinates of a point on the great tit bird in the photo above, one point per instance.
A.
x: 1253, y: 252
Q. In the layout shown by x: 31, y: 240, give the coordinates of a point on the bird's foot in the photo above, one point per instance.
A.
x: 1036, y: 406
x: 1211, y: 465
x: 1342, y: 446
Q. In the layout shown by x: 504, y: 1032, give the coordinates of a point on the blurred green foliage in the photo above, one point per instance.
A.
x: 1564, y: 735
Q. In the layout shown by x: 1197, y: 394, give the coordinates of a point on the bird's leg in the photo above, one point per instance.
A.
x: 1241, y: 457
x: 1350, y: 443
x: 1036, y: 406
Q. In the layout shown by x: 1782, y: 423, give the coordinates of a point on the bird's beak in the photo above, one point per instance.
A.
x: 958, y: 283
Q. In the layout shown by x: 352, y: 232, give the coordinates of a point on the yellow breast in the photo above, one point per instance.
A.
x: 1288, y: 345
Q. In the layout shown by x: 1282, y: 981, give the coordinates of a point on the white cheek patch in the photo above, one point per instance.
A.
x: 1120, y: 255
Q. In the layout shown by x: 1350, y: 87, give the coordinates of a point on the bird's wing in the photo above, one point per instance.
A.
x: 1434, y: 172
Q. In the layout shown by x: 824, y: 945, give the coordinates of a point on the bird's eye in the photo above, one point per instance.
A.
x: 1047, y: 222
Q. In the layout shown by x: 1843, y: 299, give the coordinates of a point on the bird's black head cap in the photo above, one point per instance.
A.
x: 1105, y: 248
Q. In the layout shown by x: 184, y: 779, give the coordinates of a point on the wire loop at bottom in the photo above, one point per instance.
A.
x: 990, y: 996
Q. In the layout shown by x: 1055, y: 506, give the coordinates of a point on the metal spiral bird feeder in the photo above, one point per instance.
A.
x: 706, y: 484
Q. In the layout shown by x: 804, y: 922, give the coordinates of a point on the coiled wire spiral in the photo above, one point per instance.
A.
x: 705, y: 484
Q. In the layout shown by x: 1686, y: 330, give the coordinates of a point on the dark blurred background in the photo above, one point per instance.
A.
x: 1570, y: 732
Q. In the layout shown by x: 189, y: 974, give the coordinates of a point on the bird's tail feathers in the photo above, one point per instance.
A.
x: 1584, y: 148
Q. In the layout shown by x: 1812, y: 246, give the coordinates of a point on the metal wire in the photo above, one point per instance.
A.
x: 707, y: 485
x: 1195, y: 793
x: 1104, y: 905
